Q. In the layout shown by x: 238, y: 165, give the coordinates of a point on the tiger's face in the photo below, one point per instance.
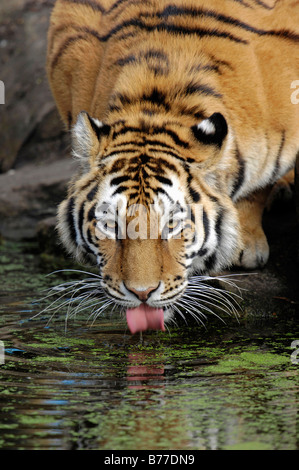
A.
x: 149, y: 211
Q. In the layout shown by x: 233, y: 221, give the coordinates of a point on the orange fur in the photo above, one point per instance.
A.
x: 167, y: 71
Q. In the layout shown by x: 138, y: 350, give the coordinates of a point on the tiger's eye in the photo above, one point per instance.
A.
x: 111, y: 224
x: 172, y: 224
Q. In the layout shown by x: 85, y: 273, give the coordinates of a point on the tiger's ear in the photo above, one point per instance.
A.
x: 86, y: 135
x: 211, y: 131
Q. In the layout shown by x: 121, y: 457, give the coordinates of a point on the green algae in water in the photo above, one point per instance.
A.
x: 97, y: 388
x: 248, y: 360
x: 254, y: 445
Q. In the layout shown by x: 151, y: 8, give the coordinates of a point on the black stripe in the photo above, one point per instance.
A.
x: 124, y: 99
x: 172, y: 134
x: 278, y: 157
x: 118, y: 165
x: 158, y: 143
x: 137, y: 23
x: 81, y: 224
x: 206, y: 225
x: 130, y: 59
x: 192, y: 218
x: 194, y: 194
x: 81, y: 220
x: 92, y: 193
x: 120, y: 190
x: 70, y: 219
x: 210, y: 262
x: 120, y: 2
x: 264, y: 5
x: 171, y: 29
x: 242, y: 2
x: 156, y: 97
x: 126, y: 130
x: 69, y: 120
x: 91, y: 213
x: 174, y: 29
x: 162, y: 191
x: 173, y: 10
x: 202, y: 252
x: 90, y: 3
x: 239, y: 180
x: 113, y: 107
x: 119, y: 179
x: 144, y: 158
x: 218, y: 225
x: 90, y: 241
x: 153, y: 131
x: 170, y: 153
x: 116, y: 152
x: 205, y: 68
x: 221, y: 63
x: 156, y: 54
x: 134, y: 196
x: 70, y: 41
x: 168, y: 149
x: 161, y: 162
x: 190, y: 111
x: 193, y: 88
x: 157, y: 61
x: 163, y: 180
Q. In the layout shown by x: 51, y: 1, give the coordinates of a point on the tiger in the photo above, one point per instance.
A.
x: 182, y: 108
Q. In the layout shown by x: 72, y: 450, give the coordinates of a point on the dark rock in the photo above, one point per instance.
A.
x: 28, y: 99
x: 30, y: 194
x: 34, y: 151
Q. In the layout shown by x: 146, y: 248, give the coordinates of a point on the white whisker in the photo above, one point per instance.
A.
x: 201, y: 298
x: 219, y: 301
x: 98, y: 311
x: 76, y: 295
x: 186, y: 306
x: 98, y: 276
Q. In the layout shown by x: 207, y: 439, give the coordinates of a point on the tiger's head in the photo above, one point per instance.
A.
x: 151, y: 208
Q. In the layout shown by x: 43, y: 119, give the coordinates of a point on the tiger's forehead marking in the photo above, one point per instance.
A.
x: 141, y: 177
x: 143, y: 186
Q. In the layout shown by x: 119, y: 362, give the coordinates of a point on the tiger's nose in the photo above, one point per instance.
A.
x: 142, y: 295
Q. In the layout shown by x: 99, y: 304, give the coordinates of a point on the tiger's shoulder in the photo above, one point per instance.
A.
x: 183, y: 61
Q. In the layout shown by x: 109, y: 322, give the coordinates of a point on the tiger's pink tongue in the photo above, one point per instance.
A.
x: 145, y: 317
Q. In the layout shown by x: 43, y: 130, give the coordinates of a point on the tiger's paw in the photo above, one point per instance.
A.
x: 282, y: 190
x: 255, y: 253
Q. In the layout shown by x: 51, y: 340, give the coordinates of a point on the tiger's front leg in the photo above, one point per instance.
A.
x: 255, y: 251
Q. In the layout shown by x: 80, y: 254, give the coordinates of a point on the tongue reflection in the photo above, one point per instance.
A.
x: 144, y: 318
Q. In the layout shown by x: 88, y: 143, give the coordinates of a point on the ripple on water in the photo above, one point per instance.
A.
x: 94, y: 386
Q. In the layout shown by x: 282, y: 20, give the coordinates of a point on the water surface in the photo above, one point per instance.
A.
x: 93, y: 385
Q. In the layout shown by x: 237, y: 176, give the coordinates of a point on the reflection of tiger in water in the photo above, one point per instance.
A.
x: 173, y: 104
